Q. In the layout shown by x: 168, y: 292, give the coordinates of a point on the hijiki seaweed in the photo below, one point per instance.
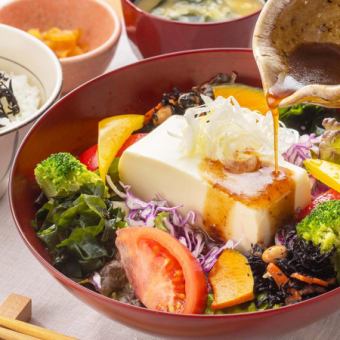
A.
x: 8, y: 103
x: 177, y: 102
x: 302, y: 257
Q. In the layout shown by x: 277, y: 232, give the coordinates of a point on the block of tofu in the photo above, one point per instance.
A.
x: 155, y: 165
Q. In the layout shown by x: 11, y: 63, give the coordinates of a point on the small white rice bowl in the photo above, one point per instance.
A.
x: 28, y: 97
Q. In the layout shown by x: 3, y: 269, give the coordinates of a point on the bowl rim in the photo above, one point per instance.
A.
x: 107, y: 44
x: 57, y: 86
x: 69, y: 283
x: 192, y: 24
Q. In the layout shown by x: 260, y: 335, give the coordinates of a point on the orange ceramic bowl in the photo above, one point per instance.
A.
x: 99, y: 24
x: 71, y: 125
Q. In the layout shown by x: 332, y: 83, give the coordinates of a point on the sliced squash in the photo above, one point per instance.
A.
x: 231, y: 279
x: 252, y: 98
x: 112, y: 134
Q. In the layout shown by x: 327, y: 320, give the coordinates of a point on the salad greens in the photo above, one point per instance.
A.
x: 79, y: 232
x: 260, y: 303
x: 307, y: 118
x: 160, y: 220
x: 77, y: 223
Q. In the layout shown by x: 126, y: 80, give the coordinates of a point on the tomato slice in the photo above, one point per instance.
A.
x: 163, y: 273
x: 90, y: 156
x: 131, y: 140
x: 324, y: 197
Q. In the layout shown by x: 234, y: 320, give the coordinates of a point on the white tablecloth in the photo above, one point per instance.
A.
x: 56, y: 308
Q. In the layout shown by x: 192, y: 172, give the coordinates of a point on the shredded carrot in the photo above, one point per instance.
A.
x: 310, y: 280
x: 148, y: 116
x: 331, y: 281
x: 277, y: 274
x: 295, y: 295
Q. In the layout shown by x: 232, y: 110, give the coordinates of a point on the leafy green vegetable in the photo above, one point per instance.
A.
x: 159, y: 221
x: 113, y: 170
x: 242, y: 308
x: 79, y: 232
x: 261, y: 301
x: 61, y: 175
x: 208, y: 309
x: 330, y: 141
x: 306, y: 118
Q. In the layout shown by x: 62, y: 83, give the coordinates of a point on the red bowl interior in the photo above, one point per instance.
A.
x: 71, y: 125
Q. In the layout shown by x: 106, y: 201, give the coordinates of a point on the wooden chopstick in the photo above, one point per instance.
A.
x: 7, y: 334
x: 31, y: 330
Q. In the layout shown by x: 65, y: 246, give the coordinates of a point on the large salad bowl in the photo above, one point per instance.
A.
x: 71, y: 125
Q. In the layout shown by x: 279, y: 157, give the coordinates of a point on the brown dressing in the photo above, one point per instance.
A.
x: 216, y: 213
x: 315, y: 64
x: 260, y: 189
x: 309, y: 63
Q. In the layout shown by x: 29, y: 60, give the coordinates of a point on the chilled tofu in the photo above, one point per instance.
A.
x: 156, y: 166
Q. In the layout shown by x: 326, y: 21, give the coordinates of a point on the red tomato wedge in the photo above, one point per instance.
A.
x: 131, y: 140
x: 163, y: 273
x: 90, y: 156
x: 329, y: 195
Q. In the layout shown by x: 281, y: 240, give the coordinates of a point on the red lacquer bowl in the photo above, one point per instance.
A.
x: 71, y: 125
x: 152, y: 35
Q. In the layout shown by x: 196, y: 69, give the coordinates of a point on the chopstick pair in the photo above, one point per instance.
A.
x: 18, y: 330
x: 7, y: 334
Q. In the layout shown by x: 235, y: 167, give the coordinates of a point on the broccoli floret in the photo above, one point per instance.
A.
x: 322, y: 226
x: 61, y: 175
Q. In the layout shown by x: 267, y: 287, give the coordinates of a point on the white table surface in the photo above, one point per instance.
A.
x: 56, y: 308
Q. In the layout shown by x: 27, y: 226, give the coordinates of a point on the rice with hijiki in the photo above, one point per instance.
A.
x: 18, y: 98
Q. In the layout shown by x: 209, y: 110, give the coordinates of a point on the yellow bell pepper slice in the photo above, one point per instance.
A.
x: 250, y: 97
x: 112, y: 134
x: 326, y: 172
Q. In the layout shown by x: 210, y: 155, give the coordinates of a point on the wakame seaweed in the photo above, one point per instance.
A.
x: 79, y: 232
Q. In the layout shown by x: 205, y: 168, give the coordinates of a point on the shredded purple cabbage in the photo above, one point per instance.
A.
x: 318, y: 188
x: 181, y: 227
x: 208, y: 260
x: 302, y: 150
x: 282, y: 234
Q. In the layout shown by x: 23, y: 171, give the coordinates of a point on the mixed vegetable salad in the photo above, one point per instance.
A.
x: 152, y: 255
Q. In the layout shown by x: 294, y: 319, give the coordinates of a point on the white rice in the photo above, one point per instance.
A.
x: 27, y: 95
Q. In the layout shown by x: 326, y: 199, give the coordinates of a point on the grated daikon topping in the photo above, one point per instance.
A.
x: 221, y: 129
